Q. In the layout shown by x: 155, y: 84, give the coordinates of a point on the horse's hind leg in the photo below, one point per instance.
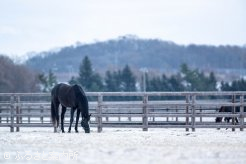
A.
x: 62, y: 118
x: 77, y: 120
x: 71, y: 119
x: 227, y: 120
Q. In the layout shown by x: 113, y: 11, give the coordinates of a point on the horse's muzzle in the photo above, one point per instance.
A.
x: 87, y: 130
x: 85, y: 126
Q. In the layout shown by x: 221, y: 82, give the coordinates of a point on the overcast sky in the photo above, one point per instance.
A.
x: 39, y: 25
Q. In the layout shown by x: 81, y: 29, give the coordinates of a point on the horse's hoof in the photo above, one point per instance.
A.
x: 69, y: 131
x: 63, y: 131
x: 76, y: 131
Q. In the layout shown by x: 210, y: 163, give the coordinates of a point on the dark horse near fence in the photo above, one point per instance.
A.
x: 228, y: 109
x: 73, y: 97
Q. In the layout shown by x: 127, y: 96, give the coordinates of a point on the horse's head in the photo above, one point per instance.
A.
x: 85, y: 123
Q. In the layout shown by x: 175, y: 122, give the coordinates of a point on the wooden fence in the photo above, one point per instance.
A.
x: 189, y: 110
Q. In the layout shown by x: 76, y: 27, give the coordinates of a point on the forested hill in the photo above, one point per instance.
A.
x: 138, y: 53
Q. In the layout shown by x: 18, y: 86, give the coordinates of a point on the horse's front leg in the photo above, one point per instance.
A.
x: 227, y: 119
x: 236, y: 120
x: 71, y: 119
x: 62, y: 118
x: 77, y: 120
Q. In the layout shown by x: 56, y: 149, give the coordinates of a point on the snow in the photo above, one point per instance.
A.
x: 123, y: 146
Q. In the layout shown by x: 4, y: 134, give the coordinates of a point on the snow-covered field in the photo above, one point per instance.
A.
x: 123, y: 146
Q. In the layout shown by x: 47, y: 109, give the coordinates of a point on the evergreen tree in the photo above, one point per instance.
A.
x: 225, y: 86
x: 47, y: 82
x: 241, y: 85
x: 90, y: 80
x: 212, y: 82
x: 175, y: 82
x: 51, y: 80
x: 112, y: 81
x: 85, y: 73
x: 128, y: 80
x: 109, y: 82
x: 165, y: 86
x: 155, y: 84
x: 96, y: 83
x: 43, y: 80
x: 197, y: 81
x: 236, y: 85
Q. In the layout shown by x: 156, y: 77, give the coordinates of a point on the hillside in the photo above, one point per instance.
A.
x: 153, y: 54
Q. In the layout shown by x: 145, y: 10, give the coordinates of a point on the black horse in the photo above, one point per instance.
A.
x: 226, y: 109
x: 73, y: 97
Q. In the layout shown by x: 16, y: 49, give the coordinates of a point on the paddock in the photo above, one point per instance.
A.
x: 144, y: 110
x: 139, y: 127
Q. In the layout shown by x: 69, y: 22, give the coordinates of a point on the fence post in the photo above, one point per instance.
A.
x: 0, y: 116
x: 145, y: 113
x: 241, y: 112
x: 177, y: 118
x: 42, y: 113
x: 12, y: 113
x: 201, y: 113
x: 18, y: 112
x: 129, y: 118
x: 167, y: 116
x: 99, y: 114
x: 193, y: 118
x: 187, y: 111
x: 29, y: 118
x: 233, y: 111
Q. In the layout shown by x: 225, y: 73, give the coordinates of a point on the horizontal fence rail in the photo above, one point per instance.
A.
x: 189, y: 110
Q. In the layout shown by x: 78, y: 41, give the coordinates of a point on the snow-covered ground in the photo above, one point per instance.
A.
x: 123, y: 146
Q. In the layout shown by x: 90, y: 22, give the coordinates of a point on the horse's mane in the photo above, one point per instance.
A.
x: 78, y: 90
x: 80, y: 94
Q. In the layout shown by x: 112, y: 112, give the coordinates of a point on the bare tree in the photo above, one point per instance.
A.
x: 17, y: 78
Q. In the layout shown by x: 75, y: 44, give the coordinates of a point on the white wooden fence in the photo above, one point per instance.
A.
x: 189, y: 110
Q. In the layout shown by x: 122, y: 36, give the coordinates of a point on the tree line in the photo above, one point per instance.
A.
x: 186, y: 79
x: 19, y: 78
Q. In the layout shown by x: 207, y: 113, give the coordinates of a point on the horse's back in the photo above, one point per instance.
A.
x: 230, y: 109
x: 58, y: 88
x: 64, y: 94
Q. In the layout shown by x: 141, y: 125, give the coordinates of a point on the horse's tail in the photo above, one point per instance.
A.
x: 219, y: 119
x: 54, y: 106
